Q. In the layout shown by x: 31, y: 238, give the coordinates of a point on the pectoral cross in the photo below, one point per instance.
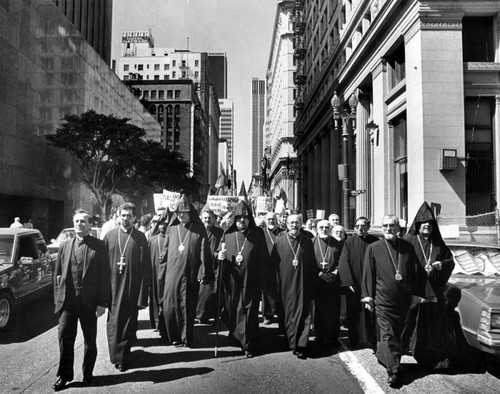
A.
x: 323, y: 264
x: 121, y: 264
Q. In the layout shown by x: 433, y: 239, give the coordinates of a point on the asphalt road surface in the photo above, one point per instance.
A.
x: 29, y: 360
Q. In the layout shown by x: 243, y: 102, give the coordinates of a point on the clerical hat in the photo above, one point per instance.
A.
x: 183, y: 205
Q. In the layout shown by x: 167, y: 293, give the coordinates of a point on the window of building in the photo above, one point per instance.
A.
x: 161, y: 95
x: 196, y: 63
x: 478, y: 39
x: 126, y: 77
x: 196, y: 74
x: 400, y: 165
x: 157, y: 67
x: 183, y: 62
x: 147, y: 66
x: 479, y: 177
x: 156, y: 77
x: 145, y: 94
x: 166, y: 76
x: 125, y: 67
x: 174, y: 62
x: 396, y: 62
x: 177, y: 94
x: 153, y: 95
x: 140, y: 67
x: 184, y: 74
x: 166, y: 66
x: 170, y: 94
x: 173, y: 74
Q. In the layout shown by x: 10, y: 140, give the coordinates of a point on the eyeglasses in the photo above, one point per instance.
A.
x: 390, y: 225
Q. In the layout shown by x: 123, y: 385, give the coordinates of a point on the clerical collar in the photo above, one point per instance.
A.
x: 294, y: 236
x: 323, y: 236
x: 82, y: 239
x: 126, y: 230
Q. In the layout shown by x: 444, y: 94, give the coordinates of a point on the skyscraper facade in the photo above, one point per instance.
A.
x: 218, y: 72
x: 257, y: 117
x: 227, y: 128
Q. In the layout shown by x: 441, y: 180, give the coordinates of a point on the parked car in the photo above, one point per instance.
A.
x: 474, y: 293
x: 26, y: 268
x: 66, y: 234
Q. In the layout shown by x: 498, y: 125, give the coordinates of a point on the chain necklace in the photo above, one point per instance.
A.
x: 121, y: 264
x: 428, y: 266
x: 239, y: 256
x: 270, y: 236
x: 295, y: 261
x: 181, y: 246
x: 398, y: 276
x: 324, y: 263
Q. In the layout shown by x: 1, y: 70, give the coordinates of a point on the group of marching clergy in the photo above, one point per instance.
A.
x: 192, y: 271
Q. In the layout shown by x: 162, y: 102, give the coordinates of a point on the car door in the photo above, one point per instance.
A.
x: 45, y: 263
x: 27, y: 265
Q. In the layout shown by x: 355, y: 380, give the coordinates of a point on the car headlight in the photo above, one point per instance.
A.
x: 495, y: 321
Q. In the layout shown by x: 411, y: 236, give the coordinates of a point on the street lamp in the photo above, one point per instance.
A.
x: 348, y: 124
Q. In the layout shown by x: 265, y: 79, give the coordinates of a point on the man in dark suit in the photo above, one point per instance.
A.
x: 82, y: 292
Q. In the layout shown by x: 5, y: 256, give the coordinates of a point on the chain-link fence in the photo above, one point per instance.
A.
x: 483, y: 228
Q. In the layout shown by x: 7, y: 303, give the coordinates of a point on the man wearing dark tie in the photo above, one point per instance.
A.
x: 82, y: 292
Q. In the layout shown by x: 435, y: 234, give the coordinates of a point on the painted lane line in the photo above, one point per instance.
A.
x: 366, y: 381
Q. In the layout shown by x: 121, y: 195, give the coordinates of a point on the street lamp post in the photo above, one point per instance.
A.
x: 348, y: 124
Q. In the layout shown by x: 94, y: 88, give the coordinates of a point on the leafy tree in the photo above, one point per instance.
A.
x: 114, y: 157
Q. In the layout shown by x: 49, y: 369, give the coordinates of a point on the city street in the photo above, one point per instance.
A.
x: 30, y: 357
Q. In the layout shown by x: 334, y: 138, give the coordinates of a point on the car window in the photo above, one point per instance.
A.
x: 27, y: 247
x: 40, y: 244
x: 6, y: 246
x: 65, y: 235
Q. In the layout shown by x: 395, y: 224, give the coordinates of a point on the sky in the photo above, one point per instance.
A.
x: 241, y: 28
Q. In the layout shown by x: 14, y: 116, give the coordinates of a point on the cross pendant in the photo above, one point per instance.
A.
x: 121, y: 264
x: 323, y: 264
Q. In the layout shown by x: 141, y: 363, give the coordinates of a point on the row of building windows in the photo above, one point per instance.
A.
x: 156, y: 67
x: 183, y: 75
x: 160, y: 94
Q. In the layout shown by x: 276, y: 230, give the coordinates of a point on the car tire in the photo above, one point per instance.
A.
x: 6, y: 311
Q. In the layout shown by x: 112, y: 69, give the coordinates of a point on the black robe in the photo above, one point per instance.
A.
x: 269, y: 303
x: 180, y: 273
x: 156, y: 247
x: 129, y: 290
x: 207, y: 297
x: 327, y: 300
x: 295, y: 285
x: 242, y: 283
x: 427, y: 324
x: 360, y: 325
x: 392, y: 298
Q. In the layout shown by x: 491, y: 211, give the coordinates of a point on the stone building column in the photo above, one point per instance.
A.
x: 317, y: 175
x: 310, y: 180
x: 325, y: 172
x: 362, y: 158
x: 335, y: 188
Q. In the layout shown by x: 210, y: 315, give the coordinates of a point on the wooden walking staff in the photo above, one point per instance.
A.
x: 219, y: 288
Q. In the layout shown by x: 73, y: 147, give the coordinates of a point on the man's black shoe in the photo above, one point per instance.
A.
x: 87, y: 380
x: 248, y: 354
x: 299, y: 354
x: 60, y: 384
x: 393, y: 379
x: 122, y: 367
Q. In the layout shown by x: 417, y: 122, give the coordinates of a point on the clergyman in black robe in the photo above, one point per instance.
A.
x: 389, y: 287
x: 297, y: 274
x: 426, y: 326
x: 207, y: 297
x: 327, y: 251
x: 360, y: 325
x: 130, y: 264
x: 186, y: 249
x: 244, y: 262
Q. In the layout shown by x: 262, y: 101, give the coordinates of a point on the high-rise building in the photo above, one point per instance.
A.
x: 60, y: 74
x: 257, y: 116
x: 280, y: 112
x: 399, y: 105
x: 159, y: 74
x: 218, y: 73
x: 93, y: 20
x: 226, y: 129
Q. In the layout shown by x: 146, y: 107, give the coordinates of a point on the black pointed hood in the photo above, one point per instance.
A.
x: 425, y: 214
x: 242, y: 209
x: 184, y: 205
